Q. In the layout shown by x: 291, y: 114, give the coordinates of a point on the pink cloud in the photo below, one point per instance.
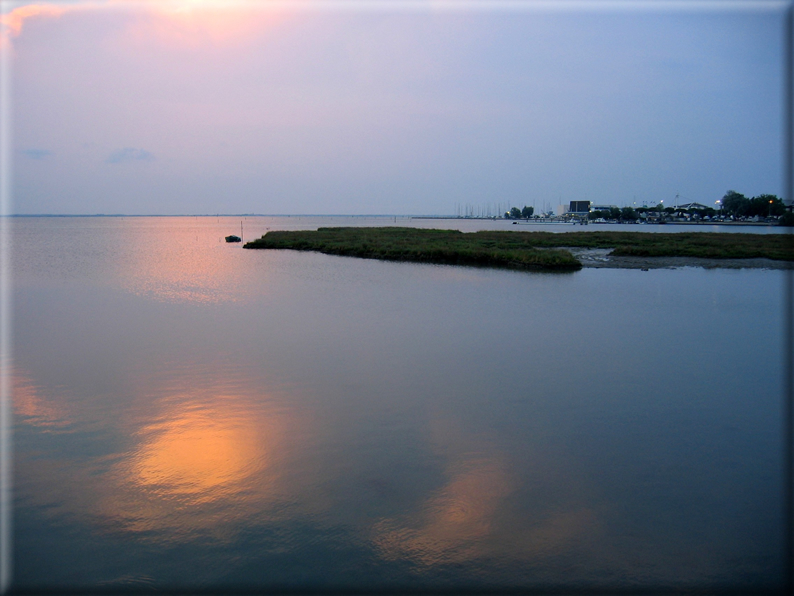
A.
x: 11, y: 23
x: 179, y: 23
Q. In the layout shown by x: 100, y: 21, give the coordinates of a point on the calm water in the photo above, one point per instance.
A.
x: 189, y: 414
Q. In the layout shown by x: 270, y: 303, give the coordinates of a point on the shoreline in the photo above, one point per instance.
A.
x: 556, y: 221
x: 599, y: 258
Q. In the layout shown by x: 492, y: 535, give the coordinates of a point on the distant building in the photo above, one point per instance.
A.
x: 692, y: 206
x: 579, y: 207
x: 595, y: 207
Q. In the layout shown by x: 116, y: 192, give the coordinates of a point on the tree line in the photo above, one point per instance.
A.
x: 738, y: 205
x: 516, y: 213
x: 732, y: 204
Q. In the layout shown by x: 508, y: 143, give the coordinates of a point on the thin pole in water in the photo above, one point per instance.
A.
x: 241, y: 230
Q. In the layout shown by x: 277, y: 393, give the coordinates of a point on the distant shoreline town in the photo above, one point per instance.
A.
x: 733, y: 208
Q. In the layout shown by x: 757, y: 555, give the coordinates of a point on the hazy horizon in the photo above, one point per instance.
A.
x: 189, y: 107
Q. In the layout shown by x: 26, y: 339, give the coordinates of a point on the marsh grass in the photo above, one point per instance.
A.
x: 705, y: 245
x: 523, y: 250
x: 423, y: 246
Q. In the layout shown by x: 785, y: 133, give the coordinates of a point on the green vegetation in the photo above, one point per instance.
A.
x: 612, y: 214
x: 708, y: 245
x: 426, y: 246
x: 523, y: 250
x: 516, y: 213
x: 738, y: 205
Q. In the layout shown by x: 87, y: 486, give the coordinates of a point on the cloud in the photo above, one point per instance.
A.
x: 11, y: 22
x: 36, y: 153
x: 130, y: 154
x: 176, y: 22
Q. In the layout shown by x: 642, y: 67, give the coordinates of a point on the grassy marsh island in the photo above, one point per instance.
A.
x: 540, y: 251
x: 450, y: 247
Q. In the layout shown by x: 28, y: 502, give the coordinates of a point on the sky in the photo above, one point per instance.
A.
x: 294, y: 107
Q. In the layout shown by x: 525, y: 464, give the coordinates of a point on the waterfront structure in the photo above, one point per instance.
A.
x: 579, y: 207
x: 697, y: 206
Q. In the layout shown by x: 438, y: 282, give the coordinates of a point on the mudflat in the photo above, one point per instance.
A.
x: 600, y: 258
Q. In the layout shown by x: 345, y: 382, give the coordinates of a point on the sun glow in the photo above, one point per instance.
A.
x: 191, y: 23
x: 194, y: 23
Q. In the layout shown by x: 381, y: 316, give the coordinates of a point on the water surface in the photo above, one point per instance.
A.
x: 189, y: 414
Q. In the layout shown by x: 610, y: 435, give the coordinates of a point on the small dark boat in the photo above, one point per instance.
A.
x: 233, y: 239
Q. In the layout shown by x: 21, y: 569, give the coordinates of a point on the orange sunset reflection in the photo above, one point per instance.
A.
x: 200, y: 454
x: 197, y: 268
x: 188, y: 453
x: 473, y: 514
x: 205, y: 459
x: 207, y: 452
x: 455, y: 518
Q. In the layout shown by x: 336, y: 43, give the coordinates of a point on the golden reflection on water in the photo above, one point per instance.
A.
x: 197, y: 453
x: 208, y: 453
x: 454, y: 519
x: 471, y: 515
x: 198, y: 266
x: 199, y: 464
x: 200, y: 454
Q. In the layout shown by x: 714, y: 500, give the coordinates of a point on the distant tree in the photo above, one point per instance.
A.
x: 736, y: 204
x: 766, y: 205
x: 507, y: 215
x: 515, y: 213
x: 614, y: 213
x: 669, y: 210
x: 595, y: 215
x: 527, y: 212
x: 628, y: 214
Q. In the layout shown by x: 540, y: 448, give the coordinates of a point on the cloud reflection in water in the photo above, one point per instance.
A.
x: 454, y: 520
x: 32, y: 406
x: 198, y: 454
x: 490, y: 508
x: 199, y: 465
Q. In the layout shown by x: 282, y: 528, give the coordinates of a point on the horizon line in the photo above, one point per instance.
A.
x: 226, y: 215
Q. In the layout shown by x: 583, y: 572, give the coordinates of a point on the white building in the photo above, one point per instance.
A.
x: 692, y: 206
